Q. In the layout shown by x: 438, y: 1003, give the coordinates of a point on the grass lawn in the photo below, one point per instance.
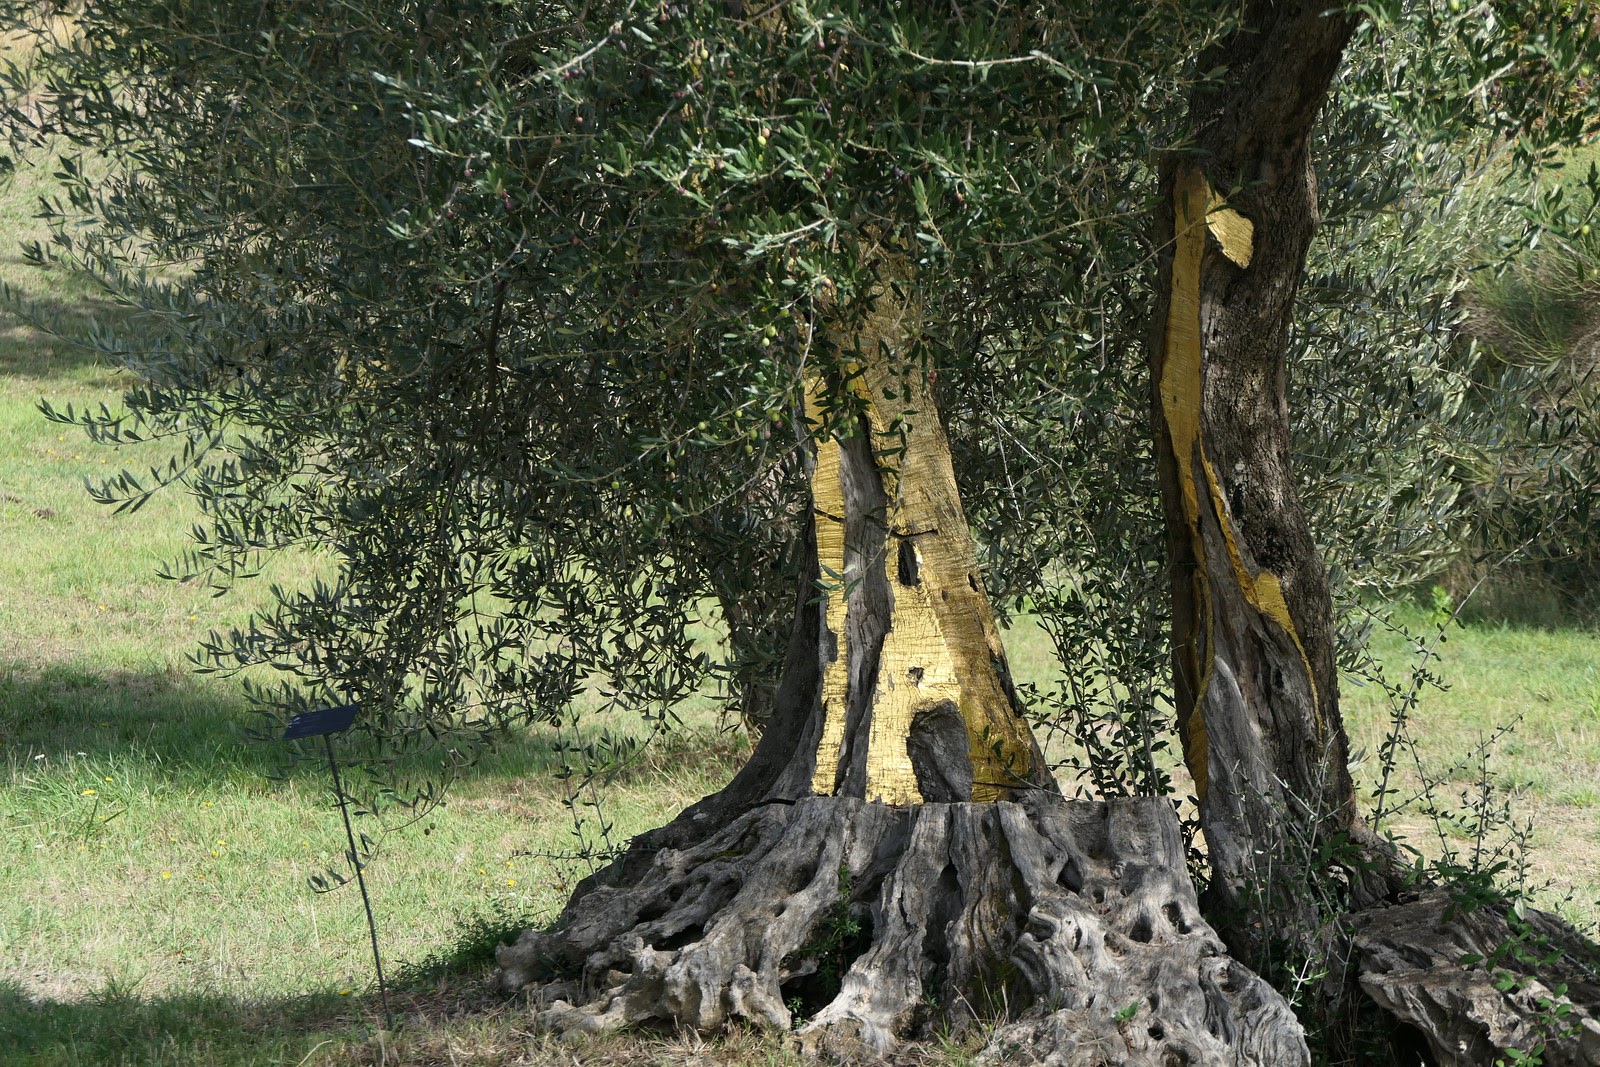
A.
x: 1541, y: 682
x: 155, y: 906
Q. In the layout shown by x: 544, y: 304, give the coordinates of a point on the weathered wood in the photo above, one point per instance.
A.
x: 1074, y: 920
x: 1476, y: 987
x: 909, y: 634
x: 1253, y: 645
x: 892, y: 627
x: 944, y: 880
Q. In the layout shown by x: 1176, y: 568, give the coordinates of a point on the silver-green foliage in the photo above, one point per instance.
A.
x: 509, y: 308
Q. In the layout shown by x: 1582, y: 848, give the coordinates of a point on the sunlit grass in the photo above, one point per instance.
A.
x: 1541, y: 683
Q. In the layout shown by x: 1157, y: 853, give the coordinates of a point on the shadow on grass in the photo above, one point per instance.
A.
x: 429, y: 1000
x: 199, y: 730
x: 187, y: 725
x: 49, y: 335
x: 443, y: 1026
x: 116, y: 1028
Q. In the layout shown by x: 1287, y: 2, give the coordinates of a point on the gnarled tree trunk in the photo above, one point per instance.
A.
x: 1255, y: 681
x: 1296, y: 875
x: 895, y: 857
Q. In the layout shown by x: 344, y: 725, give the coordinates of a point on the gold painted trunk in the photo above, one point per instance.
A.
x: 935, y: 711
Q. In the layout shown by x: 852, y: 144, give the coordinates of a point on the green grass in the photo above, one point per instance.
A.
x: 1542, y: 682
x: 156, y: 908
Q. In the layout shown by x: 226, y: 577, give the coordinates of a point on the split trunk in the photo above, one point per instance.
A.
x: 895, y: 858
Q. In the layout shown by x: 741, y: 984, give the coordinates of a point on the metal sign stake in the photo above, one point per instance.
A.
x: 326, y: 723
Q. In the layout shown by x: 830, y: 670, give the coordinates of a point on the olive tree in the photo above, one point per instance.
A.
x: 551, y: 322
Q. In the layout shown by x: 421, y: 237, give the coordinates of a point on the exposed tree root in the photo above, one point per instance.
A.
x: 862, y: 924
x: 1477, y: 985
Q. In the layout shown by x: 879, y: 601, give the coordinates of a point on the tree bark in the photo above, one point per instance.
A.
x: 917, y: 703
x: 1253, y: 644
x: 860, y: 924
x: 1296, y: 874
x: 1476, y: 982
x: 895, y: 857
x: 895, y: 679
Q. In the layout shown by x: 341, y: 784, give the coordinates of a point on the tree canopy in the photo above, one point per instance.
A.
x: 512, y: 307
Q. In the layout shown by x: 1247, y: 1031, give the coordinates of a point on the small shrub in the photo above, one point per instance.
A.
x: 470, y: 949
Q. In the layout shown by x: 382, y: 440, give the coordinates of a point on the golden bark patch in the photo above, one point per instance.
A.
x: 827, y: 502
x: 1181, y: 395
x: 943, y: 644
x: 1180, y: 390
x: 1234, y: 233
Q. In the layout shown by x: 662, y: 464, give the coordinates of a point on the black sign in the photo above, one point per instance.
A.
x: 325, y: 721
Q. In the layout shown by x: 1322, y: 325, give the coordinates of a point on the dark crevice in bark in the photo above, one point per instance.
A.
x: 937, y: 744
x: 944, y: 912
x: 687, y: 935
x: 906, y: 564
x: 870, y: 595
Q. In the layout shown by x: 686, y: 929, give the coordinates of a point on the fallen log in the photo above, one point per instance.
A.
x: 1480, y: 983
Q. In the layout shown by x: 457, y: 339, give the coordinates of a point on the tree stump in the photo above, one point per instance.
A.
x: 859, y: 924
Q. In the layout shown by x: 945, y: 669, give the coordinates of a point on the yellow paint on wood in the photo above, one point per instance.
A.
x: 827, y: 502
x: 1180, y: 390
x: 943, y: 643
x: 1234, y: 233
